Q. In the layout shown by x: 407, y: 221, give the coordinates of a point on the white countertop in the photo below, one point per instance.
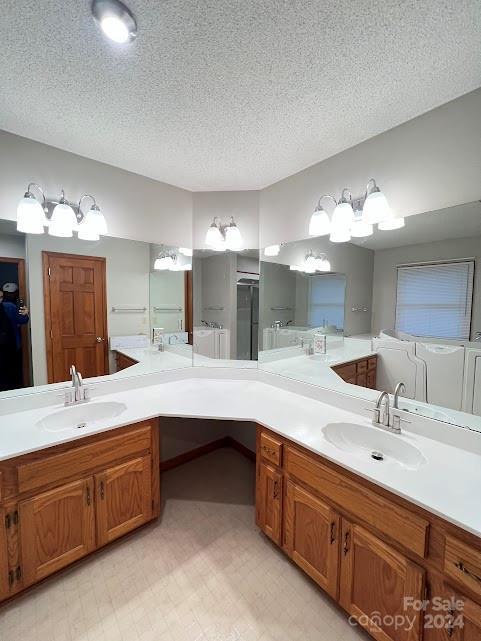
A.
x: 447, y: 484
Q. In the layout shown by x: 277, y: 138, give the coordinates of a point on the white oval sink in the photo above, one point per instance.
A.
x: 370, y: 442
x: 81, y: 416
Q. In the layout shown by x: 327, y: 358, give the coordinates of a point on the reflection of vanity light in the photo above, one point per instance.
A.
x: 164, y: 262
x: 295, y: 268
x: 233, y: 237
x: 185, y: 251
x: 272, y: 250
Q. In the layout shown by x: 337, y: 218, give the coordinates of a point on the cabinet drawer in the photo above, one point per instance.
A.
x: 372, y: 362
x: 271, y: 449
x: 346, y: 372
x: 403, y: 526
x: 462, y: 563
x: 362, y: 367
x: 84, y: 458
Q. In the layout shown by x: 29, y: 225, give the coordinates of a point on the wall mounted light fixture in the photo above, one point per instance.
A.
x: 168, y: 260
x: 221, y: 236
x: 354, y: 217
x: 61, y: 217
x: 313, y: 263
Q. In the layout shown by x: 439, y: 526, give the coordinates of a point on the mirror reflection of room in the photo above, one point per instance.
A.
x: 395, y: 305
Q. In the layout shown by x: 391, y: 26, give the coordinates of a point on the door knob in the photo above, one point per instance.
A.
x: 99, y: 339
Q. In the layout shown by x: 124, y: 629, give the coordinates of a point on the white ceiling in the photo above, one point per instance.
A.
x: 461, y: 221
x: 229, y: 94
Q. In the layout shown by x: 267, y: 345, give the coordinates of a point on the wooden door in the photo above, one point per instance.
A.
x: 75, y: 315
x: 377, y: 583
x: 312, y: 537
x: 269, y: 498
x: 4, y: 586
x: 56, y: 528
x: 124, y: 498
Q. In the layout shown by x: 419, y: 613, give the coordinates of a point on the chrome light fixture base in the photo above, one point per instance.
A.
x: 115, y: 19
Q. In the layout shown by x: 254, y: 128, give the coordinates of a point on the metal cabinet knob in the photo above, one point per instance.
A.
x: 99, y: 339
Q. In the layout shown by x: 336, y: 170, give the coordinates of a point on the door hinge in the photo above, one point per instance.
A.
x: 49, y: 272
x: 51, y: 334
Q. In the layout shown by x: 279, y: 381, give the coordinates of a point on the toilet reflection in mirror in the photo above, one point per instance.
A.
x: 398, y: 306
x: 226, y: 308
x: 104, y: 306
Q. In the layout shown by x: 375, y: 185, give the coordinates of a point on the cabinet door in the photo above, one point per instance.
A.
x: 465, y: 624
x: 124, y: 498
x: 56, y: 529
x: 377, y: 584
x: 312, y: 537
x: 269, y: 498
x: 4, y: 587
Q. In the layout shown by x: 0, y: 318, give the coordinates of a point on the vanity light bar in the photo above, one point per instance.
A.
x: 61, y: 217
x: 354, y: 217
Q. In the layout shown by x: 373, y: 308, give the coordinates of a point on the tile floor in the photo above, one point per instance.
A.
x: 202, y: 573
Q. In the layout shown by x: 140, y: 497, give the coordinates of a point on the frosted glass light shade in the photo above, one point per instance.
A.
x: 272, y: 250
x: 164, y: 262
x: 341, y: 223
x: 213, y: 238
x: 93, y: 225
x: 391, y: 223
x: 115, y: 29
x: 63, y: 221
x: 319, y: 225
x: 30, y: 216
x: 376, y: 208
x: 361, y: 229
x: 233, y: 237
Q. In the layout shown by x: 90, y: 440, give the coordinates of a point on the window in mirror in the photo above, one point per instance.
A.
x: 326, y: 301
x: 435, y: 300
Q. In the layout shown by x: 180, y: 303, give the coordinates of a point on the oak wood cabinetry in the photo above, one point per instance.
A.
x: 359, y: 372
x: 122, y: 361
x: 378, y: 555
x: 60, y: 504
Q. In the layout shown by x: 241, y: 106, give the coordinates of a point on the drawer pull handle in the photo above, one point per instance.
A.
x: 276, y: 489
x: 333, y: 532
x: 347, y: 537
x: 102, y: 490
x: 460, y: 565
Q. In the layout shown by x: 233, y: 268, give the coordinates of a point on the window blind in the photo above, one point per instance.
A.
x: 435, y: 300
x: 326, y: 300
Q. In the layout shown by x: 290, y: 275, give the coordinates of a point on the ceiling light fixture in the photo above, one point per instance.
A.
x: 221, y: 236
x: 115, y: 19
x: 61, y: 217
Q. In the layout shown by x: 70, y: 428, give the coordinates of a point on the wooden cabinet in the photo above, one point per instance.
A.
x: 122, y: 361
x: 56, y: 528
x: 359, y: 372
x: 376, y: 584
x: 387, y: 562
x: 123, y: 499
x: 58, y: 505
x: 312, y: 536
x: 4, y: 570
x: 269, y: 501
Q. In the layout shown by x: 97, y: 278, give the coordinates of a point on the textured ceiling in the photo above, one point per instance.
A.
x: 231, y: 94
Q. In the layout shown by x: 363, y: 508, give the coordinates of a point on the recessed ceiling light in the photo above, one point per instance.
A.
x: 115, y: 19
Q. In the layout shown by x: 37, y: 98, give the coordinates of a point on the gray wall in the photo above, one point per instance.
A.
x: 135, y: 207
x: 427, y: 163
x: 385, y: 275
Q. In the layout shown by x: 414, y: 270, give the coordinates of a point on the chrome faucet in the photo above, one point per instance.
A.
x: 78, y: 393
x: 376, y: 419
x: 400, y: 388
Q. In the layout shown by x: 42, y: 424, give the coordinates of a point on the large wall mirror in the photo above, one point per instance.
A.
x: 112, y: 307
x: 397, y: 306
x: 226, y: 308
